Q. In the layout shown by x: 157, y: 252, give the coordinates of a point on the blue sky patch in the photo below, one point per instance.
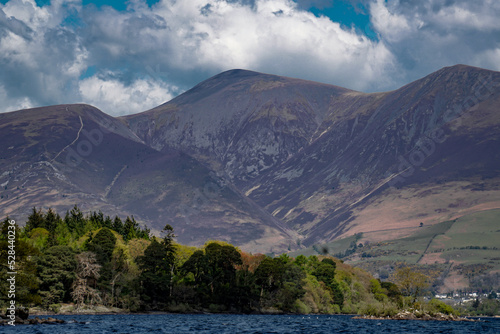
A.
x: 90, y: 72
x: 116, y: 4
x: 348, y: 15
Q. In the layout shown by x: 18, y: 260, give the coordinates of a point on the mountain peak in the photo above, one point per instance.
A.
x: 459, y: 69
x: 236, y: 73
x: 222, y: 81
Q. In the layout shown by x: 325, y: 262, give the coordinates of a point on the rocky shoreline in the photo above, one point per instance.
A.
x: 71, y: 309
x: 32, y: 321
x: 21, y: 315
x: 416, y: 315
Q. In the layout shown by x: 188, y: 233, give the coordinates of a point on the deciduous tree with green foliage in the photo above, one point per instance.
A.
x: 214, y: 274
x: 325, y: 272
x: 411, y: 283
x: 280, y: 282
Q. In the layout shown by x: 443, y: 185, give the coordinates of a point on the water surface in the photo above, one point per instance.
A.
x: 225, y: 323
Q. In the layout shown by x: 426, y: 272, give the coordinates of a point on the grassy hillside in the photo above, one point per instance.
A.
x: 458, y: 254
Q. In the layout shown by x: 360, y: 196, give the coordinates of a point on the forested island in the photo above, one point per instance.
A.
x: 93, y: 260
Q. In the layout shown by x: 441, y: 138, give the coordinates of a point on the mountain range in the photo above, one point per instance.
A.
x: 266, y: 162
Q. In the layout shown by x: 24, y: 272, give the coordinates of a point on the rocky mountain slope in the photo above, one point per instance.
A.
x: 60, y: 156
x: 268, y: 162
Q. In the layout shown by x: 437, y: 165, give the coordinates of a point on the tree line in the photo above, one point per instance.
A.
x: 91, y: 260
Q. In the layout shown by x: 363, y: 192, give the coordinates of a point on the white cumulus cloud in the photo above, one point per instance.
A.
x: 128, y: 61
x: 426, y: 35
x: 111, y: 94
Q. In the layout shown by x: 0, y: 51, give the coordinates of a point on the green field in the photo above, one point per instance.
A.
x: 480, y: 229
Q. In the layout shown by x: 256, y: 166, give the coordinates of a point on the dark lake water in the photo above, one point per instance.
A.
x: 185, y: 323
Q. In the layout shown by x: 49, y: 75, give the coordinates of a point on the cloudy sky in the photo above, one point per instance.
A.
x: 128, y: 56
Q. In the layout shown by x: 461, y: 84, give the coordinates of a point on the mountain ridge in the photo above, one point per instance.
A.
x: 271, y: 162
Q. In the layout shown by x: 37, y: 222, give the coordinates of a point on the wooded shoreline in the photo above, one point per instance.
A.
x: 101, y: 265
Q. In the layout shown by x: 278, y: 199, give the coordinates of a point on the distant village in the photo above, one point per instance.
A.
x: 457, y: 298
